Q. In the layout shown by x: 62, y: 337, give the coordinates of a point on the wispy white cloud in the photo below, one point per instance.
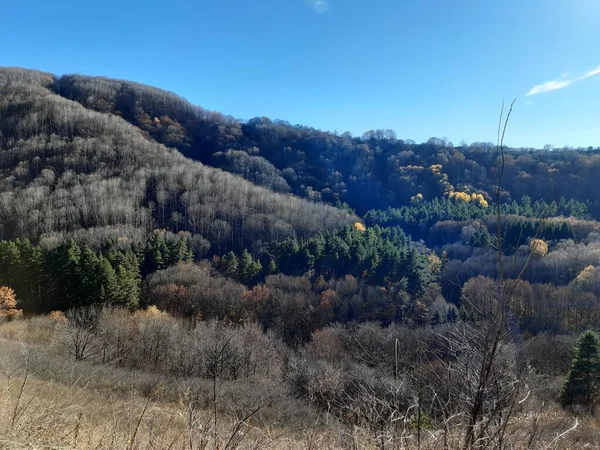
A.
x: 550, y: 86
x: 553, y: 85
x: 320, y: 6
x: 593, y: 72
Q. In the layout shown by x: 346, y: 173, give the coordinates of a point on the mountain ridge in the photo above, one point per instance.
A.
x: 374, y: 171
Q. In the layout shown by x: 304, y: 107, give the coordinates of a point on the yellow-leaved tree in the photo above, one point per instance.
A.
x: 586, y: 279
x: 416, y: 199
x: 360, y: 227
x: 538, y: 247
x: 435, y: 264
x: 8, y: 304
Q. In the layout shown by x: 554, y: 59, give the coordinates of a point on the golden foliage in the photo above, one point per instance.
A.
x: 436, y: 169
x: 538, y: 247
x: 586, y: 276
x: 8, y: 303
x: 416, y: 198
x: 434, y: 263
x: 460, y: 196
x: 468, y: 198
x: 8, y: 300
x: 360, y: 227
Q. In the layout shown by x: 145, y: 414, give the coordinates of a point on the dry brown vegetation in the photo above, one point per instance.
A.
x: 50, y: 400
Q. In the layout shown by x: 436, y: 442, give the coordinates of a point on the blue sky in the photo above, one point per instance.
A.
x: 421, y: 67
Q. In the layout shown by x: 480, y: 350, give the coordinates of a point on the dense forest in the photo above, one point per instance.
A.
x: 371, y: 272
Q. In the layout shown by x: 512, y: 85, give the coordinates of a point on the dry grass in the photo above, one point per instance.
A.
x: 49, y: 401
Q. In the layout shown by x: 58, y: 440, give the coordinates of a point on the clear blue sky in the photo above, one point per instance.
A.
x: 421, y: 67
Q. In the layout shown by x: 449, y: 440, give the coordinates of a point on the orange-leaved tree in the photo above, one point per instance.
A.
x: 8, y: 303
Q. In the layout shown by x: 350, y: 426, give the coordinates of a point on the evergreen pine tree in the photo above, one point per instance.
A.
x: 272, y: 269
x: 89, y: 280
x: 230, y: 265
x: 132, y: 263
x: 107, y: 282
x: 178, y: 251
x: 583, y: 381
x: 10, y: 260
x: 256, y: 268
x: 157, y: 253
x: 33, y: 277
x: 246, y: 267
x: 127, y: 292
x: 62, y: 265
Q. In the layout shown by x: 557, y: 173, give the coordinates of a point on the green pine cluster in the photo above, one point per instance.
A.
x: 163, y: 249
x: 582, y: 385
x: 380, y: 256
x: 71, y: 274
x: 244, y: 268
x: 417, y: 220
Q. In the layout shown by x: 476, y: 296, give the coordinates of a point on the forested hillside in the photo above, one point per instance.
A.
x: 372, y: 280
x: 69, y: 171
x: 376, y: 170
x: 93, y: 164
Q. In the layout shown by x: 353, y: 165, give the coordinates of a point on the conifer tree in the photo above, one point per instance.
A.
x: 127, y: 288
x: 230, y: 265
x: 245, y: 269
x: 63, y: 268
x: 32, y: 275
x: 583, y: 381
x: 89, y: 281
x: 178, y: 251
x: 106, y: 283
x: 272, y: 269
x: 248, y: 268
x: 256, y: 268
x: 10, y: 260
x: 157, y: 253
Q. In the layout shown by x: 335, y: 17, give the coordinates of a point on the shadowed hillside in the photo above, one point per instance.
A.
x: 376, y: 170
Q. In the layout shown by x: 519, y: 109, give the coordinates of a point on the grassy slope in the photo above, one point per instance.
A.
x: 49, y: 401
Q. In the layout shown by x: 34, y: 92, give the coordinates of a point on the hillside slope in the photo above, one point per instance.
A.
x: 69, y: 171
x: 374, y: 171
